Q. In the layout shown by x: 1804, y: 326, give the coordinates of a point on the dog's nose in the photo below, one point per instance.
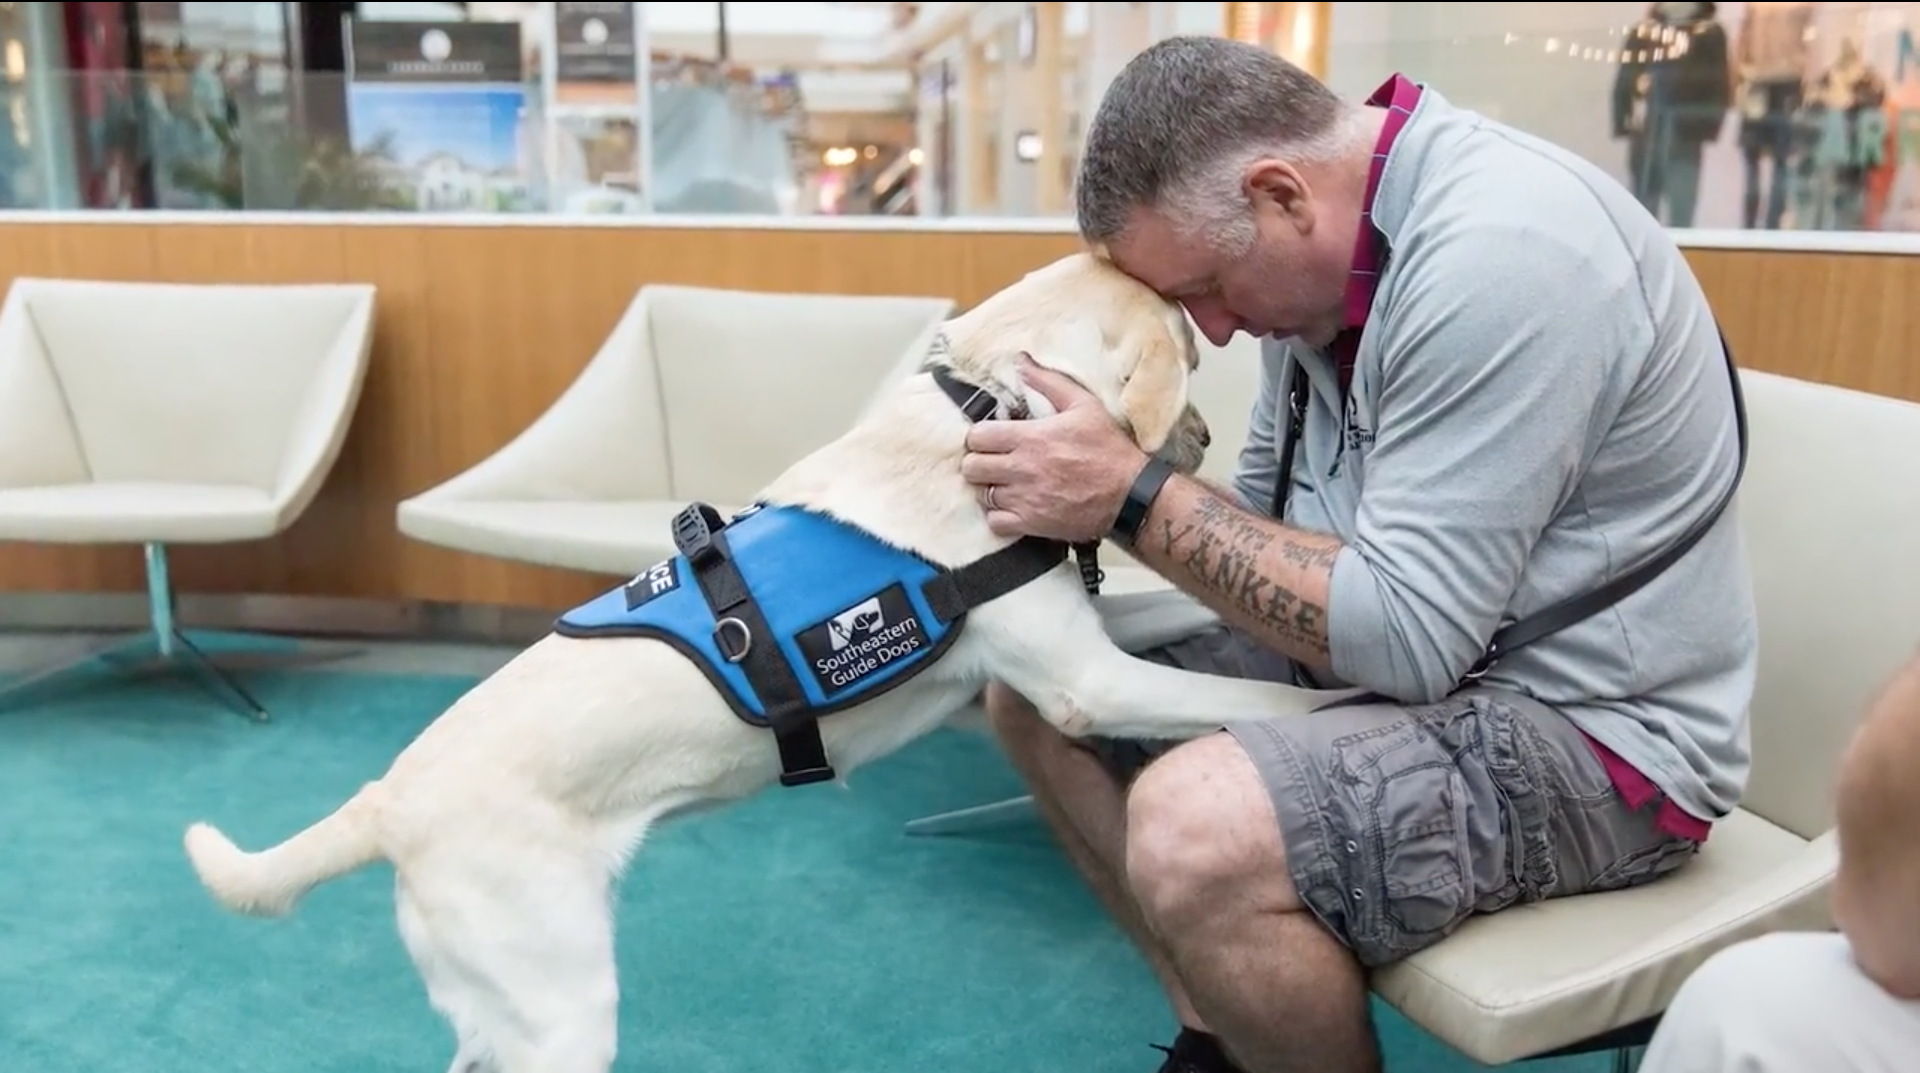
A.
x: 1206, y: 435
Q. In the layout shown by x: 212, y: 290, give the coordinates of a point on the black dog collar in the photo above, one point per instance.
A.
x: 975, y: 401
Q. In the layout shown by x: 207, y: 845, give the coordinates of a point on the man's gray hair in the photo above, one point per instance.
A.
x: 1180, y: 123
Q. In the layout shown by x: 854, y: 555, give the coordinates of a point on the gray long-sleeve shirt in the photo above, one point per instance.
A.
x: 1540, y: 402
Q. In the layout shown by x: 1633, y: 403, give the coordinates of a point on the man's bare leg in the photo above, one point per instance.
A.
x: 1206, y: 866
x: 1087, y: 811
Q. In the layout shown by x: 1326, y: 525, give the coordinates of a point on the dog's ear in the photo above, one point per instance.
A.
x: 1155, y: 396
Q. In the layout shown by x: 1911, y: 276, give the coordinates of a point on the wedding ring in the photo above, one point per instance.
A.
x: 991, y: 505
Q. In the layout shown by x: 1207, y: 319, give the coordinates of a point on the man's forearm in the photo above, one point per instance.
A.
x: 1256, y: 573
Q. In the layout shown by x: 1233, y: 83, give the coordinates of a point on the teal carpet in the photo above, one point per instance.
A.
x: 798, y: 933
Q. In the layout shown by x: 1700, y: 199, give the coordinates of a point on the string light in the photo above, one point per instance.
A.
x: 1669, y: 43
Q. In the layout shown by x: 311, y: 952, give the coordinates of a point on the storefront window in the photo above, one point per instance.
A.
x: 1760, y: 116
x: 1766, y: 116
x: 36, y: 132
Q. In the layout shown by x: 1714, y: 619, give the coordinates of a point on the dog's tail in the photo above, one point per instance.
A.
x: 269, y: 883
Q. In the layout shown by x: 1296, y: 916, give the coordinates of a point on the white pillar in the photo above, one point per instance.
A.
x: 1198, y: 18
x: 1163, y: 20
x: 1116, y: 33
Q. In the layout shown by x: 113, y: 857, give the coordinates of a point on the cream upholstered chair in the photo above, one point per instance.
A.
x: 169, y: 413
x: 1830, y: 514
x: 697, y: 393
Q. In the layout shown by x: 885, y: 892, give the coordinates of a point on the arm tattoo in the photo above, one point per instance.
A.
x: 1250, y: 562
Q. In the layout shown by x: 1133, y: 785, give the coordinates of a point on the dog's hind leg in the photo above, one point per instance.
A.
x: 522, y: 911
x: 447, y: 993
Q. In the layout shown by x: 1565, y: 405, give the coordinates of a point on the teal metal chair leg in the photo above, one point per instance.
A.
x: 163, y: 646
x: 962, y: 821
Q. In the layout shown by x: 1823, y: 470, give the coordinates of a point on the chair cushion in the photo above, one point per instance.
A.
x: 1535, y: 978
x: 618, y: 538
x: 137, y: 512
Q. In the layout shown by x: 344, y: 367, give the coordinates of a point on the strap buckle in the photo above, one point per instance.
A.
x: 807, y: 776
x: 1481, y: 666
x: 693, y: 530
x: 733, y: 638
x: 803, y: 753
x: 980, y: 406
x: 1091, y: 576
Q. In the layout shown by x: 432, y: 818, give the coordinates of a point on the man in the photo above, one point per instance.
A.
x: 1516, y: 392
x: 1847, y: 1003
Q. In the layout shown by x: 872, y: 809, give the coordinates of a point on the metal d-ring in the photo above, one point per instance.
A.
x: 746, y: 638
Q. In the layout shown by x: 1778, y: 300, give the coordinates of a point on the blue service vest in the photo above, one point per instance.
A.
x: 847, y: 610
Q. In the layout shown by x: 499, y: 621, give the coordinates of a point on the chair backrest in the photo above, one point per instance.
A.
x: 751, y: 381
x: 175, y: 382
x: 609, y: 425
x: 1830, y: 514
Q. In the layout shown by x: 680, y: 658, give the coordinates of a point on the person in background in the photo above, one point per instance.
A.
x: 1511, y: 391
x: 1824, y: 1002
x: 1671, y: 96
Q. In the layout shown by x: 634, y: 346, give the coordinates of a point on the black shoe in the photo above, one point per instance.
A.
x: 1194, y: 1051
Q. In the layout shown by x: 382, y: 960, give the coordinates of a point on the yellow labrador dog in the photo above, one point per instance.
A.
x: 510, y: 817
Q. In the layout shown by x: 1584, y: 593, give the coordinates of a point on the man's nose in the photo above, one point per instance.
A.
x: 1213, y: 320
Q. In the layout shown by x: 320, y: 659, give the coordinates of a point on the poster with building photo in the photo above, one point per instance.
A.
x: 440, y: 110
x: 598, y: 108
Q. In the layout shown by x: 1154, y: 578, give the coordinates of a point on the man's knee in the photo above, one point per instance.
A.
x: 1201, y: 837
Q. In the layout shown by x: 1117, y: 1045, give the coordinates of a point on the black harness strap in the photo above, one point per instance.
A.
x: 1551, y: 620
x: 742, y: 634
x: 958, y: 591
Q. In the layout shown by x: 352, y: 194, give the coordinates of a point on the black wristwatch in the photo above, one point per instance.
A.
x: 1146, y: 488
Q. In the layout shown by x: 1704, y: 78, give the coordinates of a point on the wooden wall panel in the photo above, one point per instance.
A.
x: 481, y: 328
x: 1838, y: 318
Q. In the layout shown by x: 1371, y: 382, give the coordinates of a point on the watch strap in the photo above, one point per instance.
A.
x: 1146, y: 488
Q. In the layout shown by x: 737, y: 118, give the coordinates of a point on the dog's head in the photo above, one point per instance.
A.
x: 1121, y: 341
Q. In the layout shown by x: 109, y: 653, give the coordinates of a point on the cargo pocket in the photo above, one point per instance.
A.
x: 1411, y: 880
x: 1519, y: 762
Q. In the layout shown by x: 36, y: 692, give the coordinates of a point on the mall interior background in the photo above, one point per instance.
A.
x: 933, y: 109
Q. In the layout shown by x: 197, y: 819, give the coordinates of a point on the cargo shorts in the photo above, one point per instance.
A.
x: 1401, y: 822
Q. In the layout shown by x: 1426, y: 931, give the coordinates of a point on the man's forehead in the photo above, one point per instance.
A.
x: 1162, y: 258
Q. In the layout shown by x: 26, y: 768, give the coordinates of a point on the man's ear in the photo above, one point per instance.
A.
x: 1155, y: 395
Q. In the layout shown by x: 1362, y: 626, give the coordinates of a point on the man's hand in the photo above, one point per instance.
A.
x: 1062, y: 477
